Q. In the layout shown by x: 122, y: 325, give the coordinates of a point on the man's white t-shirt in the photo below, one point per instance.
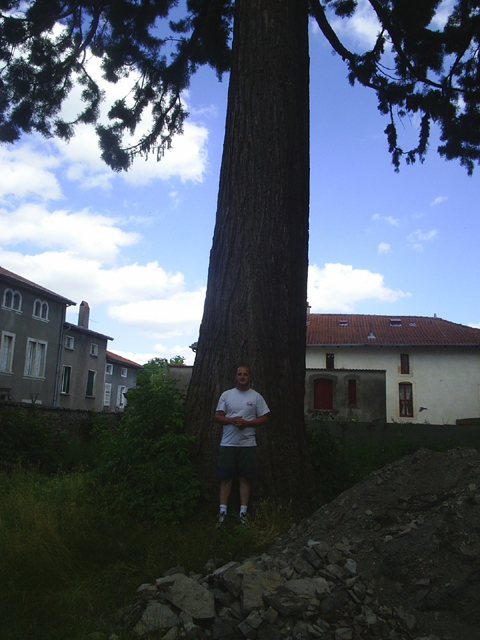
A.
x: 249, y: 405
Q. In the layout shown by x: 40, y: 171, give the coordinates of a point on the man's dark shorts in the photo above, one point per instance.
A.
x: 239, y: 461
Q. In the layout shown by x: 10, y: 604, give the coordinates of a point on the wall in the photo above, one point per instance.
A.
x: 24, y: 325
x: 370, y: 387
x: 182, y: 373
x: 459, y: 435
x: 445, y: 380
x: 116, y: 380
x: 81, y: 360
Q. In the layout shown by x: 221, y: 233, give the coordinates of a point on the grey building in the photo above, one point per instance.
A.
x: 84, y: 358
x: 120, y: 376
x: 31, y: 333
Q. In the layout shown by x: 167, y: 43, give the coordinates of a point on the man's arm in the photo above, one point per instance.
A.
x: 239, y: 422
x: 221, y: 418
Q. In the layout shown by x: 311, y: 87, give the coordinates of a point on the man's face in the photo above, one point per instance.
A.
x: 242, y: 379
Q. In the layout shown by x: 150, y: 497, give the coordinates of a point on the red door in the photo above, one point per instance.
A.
x: 323, y: 394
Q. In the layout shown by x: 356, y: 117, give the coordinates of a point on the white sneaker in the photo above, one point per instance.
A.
x: 244, y: 520
x: 221, y: 520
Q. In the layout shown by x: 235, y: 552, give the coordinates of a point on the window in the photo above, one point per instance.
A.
x: 406, y: 400
x: 6, y: 351
x: 323, y: 395
x: 12, y: 300
x: 94, y: 349
x: 109, y: 370
x: 124, y: 372
x: 352, y: 392
x: 69, y: 342
x: 404, y: 363
x: 121, y: 400
x: 330, y: 361
x: 395, y: 322
x: 107, y: 394
x: 36, y: 357
x: 66, y: 376
x: 90, y: 383
x: 40, y: 310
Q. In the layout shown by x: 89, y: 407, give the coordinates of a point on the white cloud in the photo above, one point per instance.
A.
x: 81, y: 279
x: 393, y: 221
x: 27, y: 172
x: 178, y: 315
x: 338, y: 287
x: 417, y: 238
x: 83, y: 233
x: 475, y: 326
x: 187, y: 159
x: 360, y: 30
x: 442, y: 14
x: 438, y: 200
x: 384, y: 247
x: 159, y: 351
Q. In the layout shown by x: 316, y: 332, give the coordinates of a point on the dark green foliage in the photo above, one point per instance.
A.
x: 31, y: 436
x: 145, y: 463
x: 26, y: 438
x: 341, y: 462
x: 415, y: 67
x: 155, y: 368
x: 418, y: 67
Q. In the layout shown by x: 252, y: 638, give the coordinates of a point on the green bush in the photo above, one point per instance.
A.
x: 145, y: 464
x: 340, y: 463
x: 328, y: 455
x: 28, y: 437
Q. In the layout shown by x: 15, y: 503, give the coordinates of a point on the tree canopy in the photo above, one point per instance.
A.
x: 424, y: 62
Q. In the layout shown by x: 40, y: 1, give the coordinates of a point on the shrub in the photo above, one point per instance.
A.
x: 28, y: 437
x: 145, y: 464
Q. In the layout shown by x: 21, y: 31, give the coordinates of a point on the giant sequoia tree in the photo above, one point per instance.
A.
x: 256, y: 295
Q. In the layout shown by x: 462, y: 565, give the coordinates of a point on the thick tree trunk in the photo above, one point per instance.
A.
x: 255, y: 308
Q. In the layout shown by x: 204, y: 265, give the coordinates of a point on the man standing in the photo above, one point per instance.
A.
x: 240, y: 410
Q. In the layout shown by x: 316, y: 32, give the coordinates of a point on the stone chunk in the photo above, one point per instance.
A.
x: 228, y: 577
x: 189, y: 596
x: 257, y: 583
x: 156, y: 617
x: 302, y: 567
x: 407, y: 620
x: 295, y: 596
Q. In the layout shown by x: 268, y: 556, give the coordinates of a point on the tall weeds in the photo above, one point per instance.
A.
x: 68, y: 562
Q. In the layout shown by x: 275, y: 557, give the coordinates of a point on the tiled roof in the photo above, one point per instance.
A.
x: 30, y: 284
x: 345, y: 329
x: 75, y: 327
x: 121, y: 360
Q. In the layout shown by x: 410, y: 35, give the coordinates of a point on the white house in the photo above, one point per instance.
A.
x: 383, y: 368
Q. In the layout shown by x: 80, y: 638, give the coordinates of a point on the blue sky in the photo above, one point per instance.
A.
x: 136, y: 246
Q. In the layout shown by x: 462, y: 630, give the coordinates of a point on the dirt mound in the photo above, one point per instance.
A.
x: 413, y: 529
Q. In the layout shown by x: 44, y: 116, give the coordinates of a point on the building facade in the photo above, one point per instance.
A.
x: 46, y: 360
x: 31, y: 333
x: 394, y: 369
x: 120, y: 376
x: 84, y: 358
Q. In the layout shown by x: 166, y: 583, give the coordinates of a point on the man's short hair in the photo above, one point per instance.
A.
x: 243, y: 366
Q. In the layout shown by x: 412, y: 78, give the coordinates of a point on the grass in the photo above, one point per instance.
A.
x: 67, y: 563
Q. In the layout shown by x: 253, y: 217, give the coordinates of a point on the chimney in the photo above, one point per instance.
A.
x: 308, y: 308
x: 83, y: 315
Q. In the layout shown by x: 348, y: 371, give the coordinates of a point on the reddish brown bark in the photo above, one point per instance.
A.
x: 255, y: 309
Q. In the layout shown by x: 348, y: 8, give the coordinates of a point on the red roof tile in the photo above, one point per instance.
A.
x: 122, y: 360
x: 345, y: 329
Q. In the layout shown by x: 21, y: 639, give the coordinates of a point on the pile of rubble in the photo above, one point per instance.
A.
x: 396, y: 557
